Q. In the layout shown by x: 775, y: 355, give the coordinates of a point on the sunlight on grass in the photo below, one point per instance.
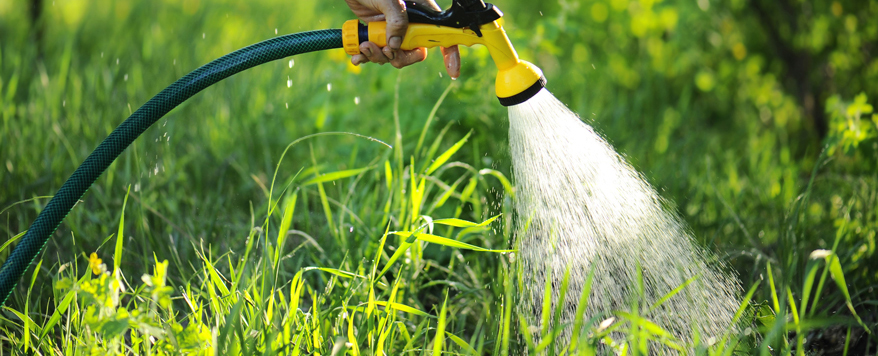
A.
x: 269, y: 215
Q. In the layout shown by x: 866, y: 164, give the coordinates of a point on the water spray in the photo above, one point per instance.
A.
x: 588, y: 207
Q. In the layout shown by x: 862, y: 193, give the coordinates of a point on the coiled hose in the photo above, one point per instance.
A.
x: 96, y: 163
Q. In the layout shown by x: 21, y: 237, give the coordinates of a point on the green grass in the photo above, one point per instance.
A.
x: 242, y: 223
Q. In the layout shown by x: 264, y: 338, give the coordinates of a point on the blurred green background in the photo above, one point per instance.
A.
x: 724, y: 106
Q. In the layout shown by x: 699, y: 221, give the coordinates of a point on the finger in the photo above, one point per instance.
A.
x: 429, y: 3
x: 397, y: 21
x: 358, y: 59
x: 405, y: 58
x: 451, y: 55
x: 389, y: 52
x: 373, y: 53
x: 365, y: 10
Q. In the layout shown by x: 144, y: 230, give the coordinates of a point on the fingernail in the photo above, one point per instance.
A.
x: 367, y: 51
x: 391, y: 54
x: 395, y: 42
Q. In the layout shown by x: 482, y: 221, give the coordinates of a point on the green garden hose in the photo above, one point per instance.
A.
x: 184, y: 88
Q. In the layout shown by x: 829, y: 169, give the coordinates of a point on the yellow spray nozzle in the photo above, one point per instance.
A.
x: 517, y: 80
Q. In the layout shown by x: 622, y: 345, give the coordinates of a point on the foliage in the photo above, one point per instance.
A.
x: 851, y: 124
x: 719, y: 104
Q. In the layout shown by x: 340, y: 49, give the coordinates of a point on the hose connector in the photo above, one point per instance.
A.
x: 465, y: 23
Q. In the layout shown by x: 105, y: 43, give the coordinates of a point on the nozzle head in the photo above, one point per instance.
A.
x: 519, y: 83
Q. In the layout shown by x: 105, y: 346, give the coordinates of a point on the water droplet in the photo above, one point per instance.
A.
x: 292, y: 62
x: 328, y: 86
x: 275, y: 31
x: 287, y: 105
x: 357, y: 100
x: 117, y: 61
x: 102, y: 54
x: 203, y: 35
x: 289, y: 82
x: 126, y: 77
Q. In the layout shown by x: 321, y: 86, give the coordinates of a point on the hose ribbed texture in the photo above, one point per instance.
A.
x: 184, y: 88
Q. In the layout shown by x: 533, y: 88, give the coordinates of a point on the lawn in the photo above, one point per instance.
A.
x: 275, y: 211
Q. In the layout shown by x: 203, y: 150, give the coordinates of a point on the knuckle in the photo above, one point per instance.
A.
x: 397, y: 21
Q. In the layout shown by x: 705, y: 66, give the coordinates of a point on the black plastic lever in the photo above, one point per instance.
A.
x: 462, y: 14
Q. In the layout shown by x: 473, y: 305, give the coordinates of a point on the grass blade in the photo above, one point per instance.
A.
x: 337, y: 272
x: 396, y: 255
x: 13, y: 239
x: 403, y: 308
x: 27, y: 321
x: 439, y: 340
x: 464, y: 223
x: 448, y: 242
x: 285, y: 224
x: 431, y: 116
x: 507, y: 186
x: 462, y: 344
x: 56, y: 315
x: 352, y: 339
x: 673, y: 293
x: 117, y: 255
x: 388, y: 173
x: 447, y: 154
x: 837, y: 275
x: 329, y: 177
x: 580, y: 309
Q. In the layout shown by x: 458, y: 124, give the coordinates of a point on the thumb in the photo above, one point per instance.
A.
x: 397, y: 21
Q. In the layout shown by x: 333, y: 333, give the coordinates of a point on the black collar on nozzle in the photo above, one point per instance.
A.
x: 463, y: 14
x: 524, y: 95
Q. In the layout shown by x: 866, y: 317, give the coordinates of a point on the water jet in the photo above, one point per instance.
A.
x: 588, y: 207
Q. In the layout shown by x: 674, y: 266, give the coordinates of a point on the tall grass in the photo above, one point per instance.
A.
x: 415, y: 278
x: 229, y: 243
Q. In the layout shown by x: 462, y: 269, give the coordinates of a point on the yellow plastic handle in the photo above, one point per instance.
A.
x: 429, y: 36
x: 514, y: 75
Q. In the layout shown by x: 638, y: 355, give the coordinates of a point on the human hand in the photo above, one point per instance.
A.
x: 393, y: 11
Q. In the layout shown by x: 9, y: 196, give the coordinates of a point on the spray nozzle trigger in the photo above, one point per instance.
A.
x: 471, y: 15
